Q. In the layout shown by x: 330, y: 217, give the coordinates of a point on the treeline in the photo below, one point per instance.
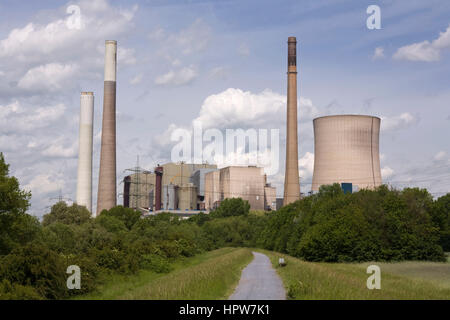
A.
x: 330, y: 226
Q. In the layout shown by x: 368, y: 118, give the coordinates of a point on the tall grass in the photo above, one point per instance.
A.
x: 212, y: 275
x: 306, y: 280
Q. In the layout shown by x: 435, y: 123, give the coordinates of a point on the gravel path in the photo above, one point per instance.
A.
x: 259, y: 281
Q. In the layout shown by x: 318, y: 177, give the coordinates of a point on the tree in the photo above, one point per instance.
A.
x: 127, y: 215
x: 61, y: 212
x: 441, y: 219
x: 232, y: 207
x: 14, y: 203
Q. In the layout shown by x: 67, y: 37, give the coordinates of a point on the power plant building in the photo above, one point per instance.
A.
x: 248, y: 183
x: 346, y: 150
x: 191, y: 187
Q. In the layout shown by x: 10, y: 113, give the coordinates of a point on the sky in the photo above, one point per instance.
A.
x: 222, y: 63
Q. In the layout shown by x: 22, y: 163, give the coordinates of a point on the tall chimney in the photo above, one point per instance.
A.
x: 291, y: 178
x: 106, y: 198
x: 84, y: 179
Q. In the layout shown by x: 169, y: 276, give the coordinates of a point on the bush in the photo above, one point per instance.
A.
x: 14, y: 291
x: 37, y: 266
x: 232, y: 207
x: 155, y: 263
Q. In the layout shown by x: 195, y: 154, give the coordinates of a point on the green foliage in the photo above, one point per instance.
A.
x: 37, y: 266
x: 14, y: 291
x: 127, y: 215
x: 14, y: 202
x: 232, y: 207
x: 61, y: 212
x: 441, y: 219
x: 379, y: 224
x: 155, y: 263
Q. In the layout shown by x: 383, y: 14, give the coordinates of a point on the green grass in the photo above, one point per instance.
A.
x: 405, y: 280
x: 212, y: 275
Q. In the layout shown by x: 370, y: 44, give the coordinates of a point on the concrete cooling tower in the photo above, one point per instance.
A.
x: 346, y: 150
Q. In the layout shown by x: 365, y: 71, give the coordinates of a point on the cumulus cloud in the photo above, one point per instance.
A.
x: 16, y: 118
x: 51, y: 77
x: 306, y: 166
x: 404, y: 120
x: 386, y: 172
x: 61, y: 148
x: 425, y: 51
x: 177, y: 77
x: 235, y: 107
x: 98, y: 21
x: 45, y: 183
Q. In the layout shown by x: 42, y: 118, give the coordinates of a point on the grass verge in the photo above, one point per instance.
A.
x: 211, y: 275
x: 307, y: 280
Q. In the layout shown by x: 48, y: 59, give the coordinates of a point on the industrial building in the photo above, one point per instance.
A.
x: 196, y: 187
x: 176, y: 187
x: 248, y: 183
x: 346, y: 151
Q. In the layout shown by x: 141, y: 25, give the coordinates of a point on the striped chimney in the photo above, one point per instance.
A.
x: 106, y: 198
x: 291, y: 179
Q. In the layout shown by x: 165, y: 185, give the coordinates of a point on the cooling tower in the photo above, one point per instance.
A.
x: 84, y: 179
x: 106, y: 198
x: 291, y: 179
x: 346, y: 149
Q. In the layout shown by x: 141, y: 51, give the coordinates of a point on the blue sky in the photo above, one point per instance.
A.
x: 173, y: 55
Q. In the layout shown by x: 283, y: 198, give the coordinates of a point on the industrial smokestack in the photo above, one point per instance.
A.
x: 84, y: 179
x: 291, y: 179
x: 106, y: 198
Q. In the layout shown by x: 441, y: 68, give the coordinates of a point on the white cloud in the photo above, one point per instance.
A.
x: 125, y: 56
x: 178, y: 77
x: 99, y: 21
x: 58, y: 149
x: 235, y: 107
x: 425, y: 51
x: 398, y: 122
x: 378, y: 53
x: 16, y: 118
x: 45, y: 183
x: 50, y: 77
x: 386, y: 172
x: 306, y: 166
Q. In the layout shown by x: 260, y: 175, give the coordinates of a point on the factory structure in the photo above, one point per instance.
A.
x: 196, y: 187
x: 346, y: 149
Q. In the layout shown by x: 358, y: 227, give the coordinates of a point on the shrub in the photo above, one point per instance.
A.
x: 37, y: 266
